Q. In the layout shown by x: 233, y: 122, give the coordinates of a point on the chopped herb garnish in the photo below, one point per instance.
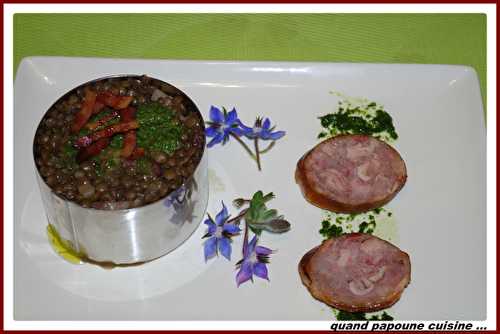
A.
x: 367, y: 119
x: 157, y: 129
x: 336, y: 224
x: 68, y: 155
x: 329, y: 230
x: 365, y: 227
x: 116, y: 142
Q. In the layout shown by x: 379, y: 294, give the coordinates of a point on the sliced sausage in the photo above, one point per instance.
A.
x: 351, y: 174
x: 356, y: 272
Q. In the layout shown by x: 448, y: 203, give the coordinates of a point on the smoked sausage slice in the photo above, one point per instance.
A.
x: 351, y: 174
x: 356, y: 272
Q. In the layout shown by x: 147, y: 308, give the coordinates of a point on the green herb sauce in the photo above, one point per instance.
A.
x: 158, y: 131
x: 102, y: 114
x: 68, y: 155
x: 360, y: 316
x: 116, y: 142
x: 336, y: 224
x: 329, y: 230
x: 358, y: 117
x: 365, y: 227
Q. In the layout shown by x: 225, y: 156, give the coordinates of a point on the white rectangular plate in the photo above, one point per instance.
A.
x: 440, y: 213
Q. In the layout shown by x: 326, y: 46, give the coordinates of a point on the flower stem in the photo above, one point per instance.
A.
x: 245, y: 239
x: 268, y: 148
x: 236, y: 220
x: 257, y: 153
x: 245, y: 146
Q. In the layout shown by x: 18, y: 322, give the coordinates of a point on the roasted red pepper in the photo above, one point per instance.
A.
x: 127, y: 114
x: 102, y: 121
x: 106, y: 133
x: 129, y: 141
x: 92, y: 150
x: 85, y: 112
x: 98, y: 107
x: 114, y: 101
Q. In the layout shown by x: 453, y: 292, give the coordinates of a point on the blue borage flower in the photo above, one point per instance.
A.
x: 254, y: 262
x: 255, y: 218
x: 262, y: 130
x: 222, y: 125
x: 219, y: 234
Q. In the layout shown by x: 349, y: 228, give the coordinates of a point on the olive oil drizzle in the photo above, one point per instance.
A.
x: 64, y: 249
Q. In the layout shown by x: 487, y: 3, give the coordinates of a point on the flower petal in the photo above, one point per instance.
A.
x: 226, y: 137
x: 244, y: 127
x: 231, y: 117
x: 217, y: 139
x: 260, y: 270
x: 237, y: 131
x: 261, y: 250
x: 221, y: 216
x: 211, y: 226
x: 251, y: 246
x: 211, y: 131
x: 216, y: 115
x: 267, y: 124
x: 275, y: 135
x: 208, y: 222
x: 210, y: 247
x: 245, y: 273
x: 231, y: 228
x: 225, y: 247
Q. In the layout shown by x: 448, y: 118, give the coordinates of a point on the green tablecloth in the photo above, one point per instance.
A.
x: 382, y: 38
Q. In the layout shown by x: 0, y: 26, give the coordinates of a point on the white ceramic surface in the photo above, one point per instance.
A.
x: 441, y: 212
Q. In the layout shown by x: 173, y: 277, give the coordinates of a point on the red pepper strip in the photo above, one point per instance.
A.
x: 92, y: 150
x: 124, y: 102
x: 85, y: 112
x: 105, y: 133
x: 129, y: 142
x: 114, y: 101
x: 137, y: 153
x: 127, y: 114
x: 98, y: 107
x: 102, y: 121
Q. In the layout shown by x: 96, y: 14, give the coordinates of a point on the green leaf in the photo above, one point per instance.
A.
x: 278, y: 225
x: 259, y: 218
x: 269, y: 197
x: 266, y: 215
x: 255, y: 229
x: 257, y: 205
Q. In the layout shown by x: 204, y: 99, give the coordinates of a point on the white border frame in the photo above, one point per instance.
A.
x: 11, y: 9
